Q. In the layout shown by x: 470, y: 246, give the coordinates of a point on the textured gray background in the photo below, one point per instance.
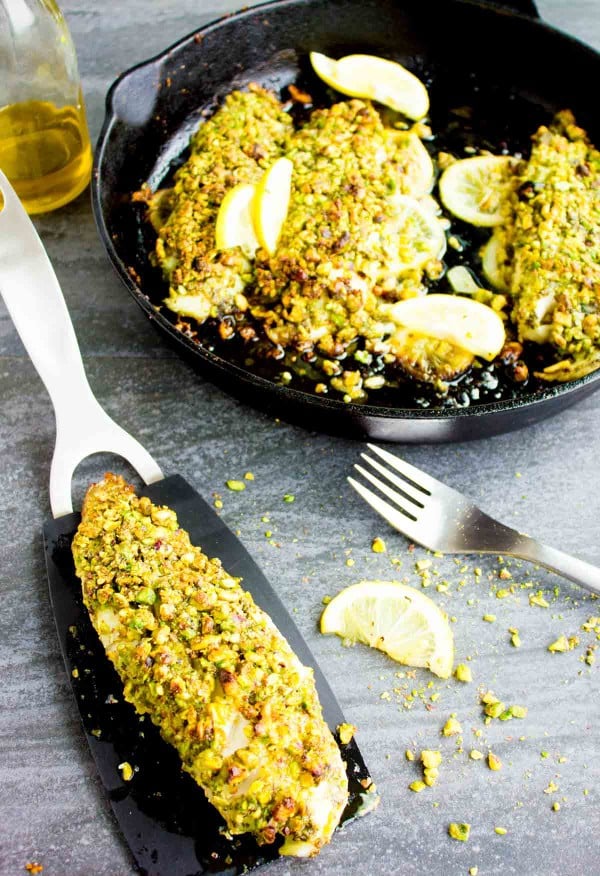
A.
x: 52, y: 806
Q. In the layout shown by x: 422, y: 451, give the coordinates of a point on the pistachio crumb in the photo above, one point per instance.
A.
x: 289, y: 498
x: 126, y: 771
x: 431, y: 759
x: 474, y: 754
x: 417, y: 786
x: 500, y: 830
x: 236, y: 486
x: 378, y: 546
x: 489, y: 618
x: 459, y: 831
x: 249, y: 476
x: 409, y: 755
x: 451, y: 727
x: 556, y: 806
x: 463, y: 673
x: 494, y: 761
x: 346, y: 733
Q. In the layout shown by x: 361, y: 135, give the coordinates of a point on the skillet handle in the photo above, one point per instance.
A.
x: 36, y: 305
x: 524, y: 7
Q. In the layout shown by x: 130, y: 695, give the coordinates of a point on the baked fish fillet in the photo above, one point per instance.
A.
x: 210, y: 669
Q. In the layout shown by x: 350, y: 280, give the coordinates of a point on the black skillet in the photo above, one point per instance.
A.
x: 509, y: 68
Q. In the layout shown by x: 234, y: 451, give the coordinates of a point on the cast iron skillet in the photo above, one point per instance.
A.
x: 514, y: 69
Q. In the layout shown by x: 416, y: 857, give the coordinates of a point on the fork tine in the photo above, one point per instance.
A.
x: 406, y: 525
x: 405, y: 487
x: 421, y: 480
x: 396, y: 498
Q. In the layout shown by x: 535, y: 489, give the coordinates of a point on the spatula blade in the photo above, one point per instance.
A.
x: 170, y: 827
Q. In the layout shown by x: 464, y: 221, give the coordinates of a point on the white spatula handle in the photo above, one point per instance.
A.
x: 36, y: 305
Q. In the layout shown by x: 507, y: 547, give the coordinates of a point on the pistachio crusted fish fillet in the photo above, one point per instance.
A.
x: 235, y: 146
x: 210, y: 669
x: 549, y: 250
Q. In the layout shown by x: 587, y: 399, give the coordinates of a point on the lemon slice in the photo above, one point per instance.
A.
x: 374, y: 78
x: 271, y: 203
x: 490, y: 262
x: 473, y: 326
x: 418, y: 234
x: 396, y: 619
x: 235, y: 226
x: 476, y: 189
x: 418, y: 172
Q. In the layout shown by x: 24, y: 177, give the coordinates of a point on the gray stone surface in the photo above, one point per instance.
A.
x: 544, y: 480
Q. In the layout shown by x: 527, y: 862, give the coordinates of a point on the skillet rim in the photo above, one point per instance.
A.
x: 296, y: 398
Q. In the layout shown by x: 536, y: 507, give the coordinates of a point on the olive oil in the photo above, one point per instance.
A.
x: 45, y: 152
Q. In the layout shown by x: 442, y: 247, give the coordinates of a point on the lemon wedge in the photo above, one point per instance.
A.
x: 396, y: 619
x: 235, y: 226
x: 476, y: 189
x: 418, y: 234
x: 468, y: 324
x: 374, y: 78
x: 271, y: 203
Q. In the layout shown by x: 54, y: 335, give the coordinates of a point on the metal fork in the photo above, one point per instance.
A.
x: 441, y: 519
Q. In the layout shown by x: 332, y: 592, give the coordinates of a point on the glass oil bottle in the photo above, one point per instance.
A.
x: 44, y: 141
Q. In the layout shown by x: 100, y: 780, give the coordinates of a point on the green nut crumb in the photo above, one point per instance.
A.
x: 459, y: 831
x: 519, y: 711
x: 451, y: 727
x: 409, y: 755
x: 538, y: 599
x: 515, y: 639
x: 422, y: 565
x: 489, y: 697
x: 494, y: 762
x: 378, y: 546
x: 346, y: 732
x: 561, y: 644
x: 249, y: 476
x: 489, y: 618
x: 349, y: 561
x: 289, y: 498
x: 494, y: 710
x: 552, y: 788
x: 417, y: 786
x: 126, y: 771
x: 473, y: 871
x: 556, y: 806
x: 218, y: 504
x: 431, y: 759
x: 463, y: 673
x: 236, y: 486
x: 474, y: 754
x: 500, y: 830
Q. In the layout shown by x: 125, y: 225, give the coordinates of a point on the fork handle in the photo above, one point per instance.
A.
x: 576, y: 570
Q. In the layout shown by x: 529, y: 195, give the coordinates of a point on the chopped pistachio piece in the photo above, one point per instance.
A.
x: 409, y: 755
x: 459, y: 831
x: 474, y: 754
x: 463, y: 673
x: 494, y: 710
x: 519, y: 711
x: 289, y: 497
x: 431, y: 759
x: 126, y: 771
x: 236, y: 486
x: 500, y: 830
x: 494, y: 761
x: 417, y: 786
x: 346, y: 732
x: 489, y: 618
x: 378, y: 546
x: 538, y: 599
x: 451, y: 727
x: 561, y: 644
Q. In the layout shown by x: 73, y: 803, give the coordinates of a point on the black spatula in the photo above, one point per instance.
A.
x: 169, y: 825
